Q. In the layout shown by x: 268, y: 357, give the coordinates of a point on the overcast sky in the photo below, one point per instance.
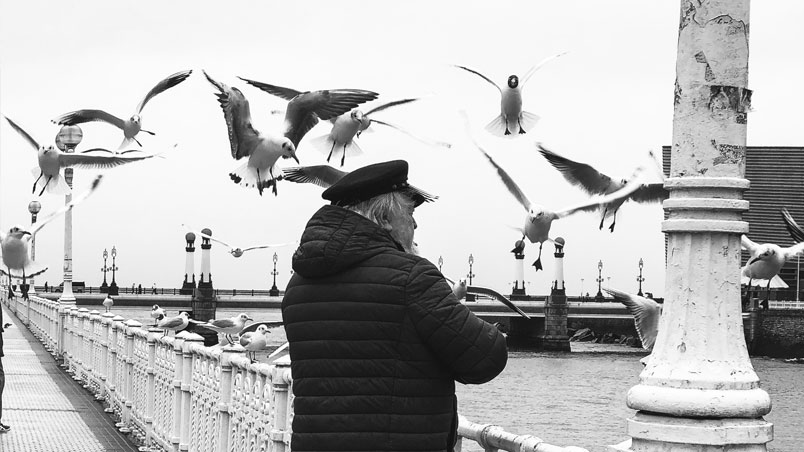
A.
x: 607, y: 102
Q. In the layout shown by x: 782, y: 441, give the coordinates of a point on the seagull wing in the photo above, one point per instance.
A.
x: 646, y: 314
x: 169, y: 82
x: 245, y: 339
x: 793, y: 251
x: 792, y: 227
x: 748, y: 244
x: 321, y: 175
x: 425, y: 141
x: 650, y: 193
x: 481, y: 76
x: 538, y: 66
x: 82, y: 116
x: 24, y: 134
x: 388, y: 105
x: 580, y: 174
x: 221, y: 323
x: 507, y: 180
x: 243, y: 138
x: 284, y: 93
x: 598, y: 202
x: 83, y: 160
x: 64, y: 209
x: 306, y: 109
x: 172, y: 322
x: 271, y: 245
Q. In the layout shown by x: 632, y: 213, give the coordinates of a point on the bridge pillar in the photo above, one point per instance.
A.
x: 555, y: 336
x: 518, y: 293
x: 188, y: 286
x: 698, y: 391
x: 204, y: 301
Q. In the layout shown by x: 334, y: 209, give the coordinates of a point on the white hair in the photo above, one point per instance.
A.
x: 379, y: 208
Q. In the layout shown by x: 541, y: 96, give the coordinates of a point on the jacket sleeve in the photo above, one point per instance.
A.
x: 474, y: 350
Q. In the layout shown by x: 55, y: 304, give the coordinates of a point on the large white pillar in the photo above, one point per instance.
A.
x: 519, y: 269
x: 66, y: 140
x: 698, y: 391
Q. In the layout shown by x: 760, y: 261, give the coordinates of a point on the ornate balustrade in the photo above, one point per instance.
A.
x: 172, y: 393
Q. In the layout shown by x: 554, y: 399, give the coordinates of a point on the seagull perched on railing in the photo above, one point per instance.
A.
x: 254, y: 341
x: 539, y: 219
x: 15, y: 245
x: 131, y: 126
x: 646, y: 314
x: 236, y: 251
x: 765, y: 262
x: 174, y: 324
x: 108, y: 302
x: 596, y: 183
x: 52, y: 160
x: 157, y: 313
x: 228, y: 327
x: 512, y: 117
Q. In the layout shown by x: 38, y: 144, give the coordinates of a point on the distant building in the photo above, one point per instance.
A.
x: 777, y: 180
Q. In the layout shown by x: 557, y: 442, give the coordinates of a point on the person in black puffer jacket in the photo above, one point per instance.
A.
x: 377, y: 338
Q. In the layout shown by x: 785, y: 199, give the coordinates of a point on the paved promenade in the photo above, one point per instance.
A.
x: 46, y: 409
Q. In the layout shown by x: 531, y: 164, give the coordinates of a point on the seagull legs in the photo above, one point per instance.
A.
x: 507, y: 132
x: 343, y: 157
x: 49, y: 178
x: 33, y: 190
x: 331, y: 150
x: 519, y: 123
x: 538, y: 263
x: 613, y: 220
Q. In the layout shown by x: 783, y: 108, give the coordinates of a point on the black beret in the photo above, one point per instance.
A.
x: 369, y: 181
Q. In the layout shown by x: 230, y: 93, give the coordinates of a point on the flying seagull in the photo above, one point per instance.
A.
x: 321, y: 175
x: 228, y: 327
x: 596, y: 183
x: 792, y: 227
x: 512, y: 117
x: 539, y: 219
x: 131, y: 126
x: 305, y: 109
x: 766, y: 260
x: 14, y: 246
x: 236, y: 251
x: 174, y: 324
x: 52, y: 160
x: 254, y: 341
x: 646, y: 314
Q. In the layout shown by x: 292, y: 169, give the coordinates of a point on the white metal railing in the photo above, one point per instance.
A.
x: 172, y: 393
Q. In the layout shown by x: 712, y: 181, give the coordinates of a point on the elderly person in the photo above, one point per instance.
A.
x: 377, y: 337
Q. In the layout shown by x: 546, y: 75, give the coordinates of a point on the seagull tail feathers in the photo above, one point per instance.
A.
x: 324, y: 144
x: 56, y: 186
x: 497, y: 127
x: 246, y: 176
x: 125, y: 143
x: 528, y: 121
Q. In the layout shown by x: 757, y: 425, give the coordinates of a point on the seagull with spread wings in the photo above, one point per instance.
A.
x: 765, y: 262
x: 52, y: 160
x: 594, y: 182
x: 512, y: 117
x: 131, y: 126
x: 321, y: 175
x: 237, y: 251
x: 15, y: 245
x: 539, y: 219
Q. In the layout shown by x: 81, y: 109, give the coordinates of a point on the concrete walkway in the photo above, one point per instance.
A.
x: 46, y: 409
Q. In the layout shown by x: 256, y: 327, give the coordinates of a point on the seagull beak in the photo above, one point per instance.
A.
x: 753, y: 260
x: 295, y: 158
x: 25, y: 232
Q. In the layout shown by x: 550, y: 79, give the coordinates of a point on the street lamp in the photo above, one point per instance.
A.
x: 33, y: 207
x: 113, y: 290
x: 581, y: 287
x: 274, y: 292
x: 599, y: 296
x: 640, y: 278
x: 104, y: 288
x: 66, y: 140
x: 471, y: 275
x: 440, y: 262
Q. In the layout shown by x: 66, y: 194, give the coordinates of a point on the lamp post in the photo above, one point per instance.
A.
x: 33, y: 208
x: 640, y: 278
x: 470, y: 275
x: 113, y: 290
x: 440, y: 262
x: 274, y: 292
x: 66, y: 140
x: 581, y: 287
x: 104, y: 288
x: 599, y: 296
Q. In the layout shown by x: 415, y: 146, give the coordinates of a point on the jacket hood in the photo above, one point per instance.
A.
x: 336, y: 239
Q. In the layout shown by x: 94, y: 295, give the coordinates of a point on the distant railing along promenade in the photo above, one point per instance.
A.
x: 172, y: 393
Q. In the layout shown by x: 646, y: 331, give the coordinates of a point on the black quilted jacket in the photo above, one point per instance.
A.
x: 377, y: 341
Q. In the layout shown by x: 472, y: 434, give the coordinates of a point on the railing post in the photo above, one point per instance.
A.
x: 178, y: 344
x: 129, y: 356
x: 280, y: 393
x: 226, y: 396
x: 28, y: 313
x: 103, y: 369
x: 93, y: 317
x: 186, y: 386
x: 116, y: 329
x: 151, y: 390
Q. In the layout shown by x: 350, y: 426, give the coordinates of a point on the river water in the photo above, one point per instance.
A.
x: 578, y: 398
